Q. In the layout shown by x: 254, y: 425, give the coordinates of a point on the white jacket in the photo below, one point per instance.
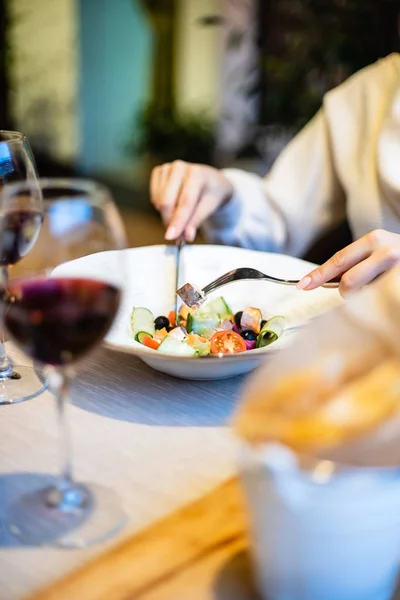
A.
x: 346, y: 161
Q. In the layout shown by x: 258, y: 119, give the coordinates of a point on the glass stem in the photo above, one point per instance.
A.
x: 67, y: 495
x: 5, y: 366
x: 62, y: 394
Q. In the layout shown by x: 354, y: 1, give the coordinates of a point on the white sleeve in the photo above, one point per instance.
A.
x: 287, y: 210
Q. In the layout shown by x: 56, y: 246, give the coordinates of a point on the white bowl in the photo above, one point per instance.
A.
x: 147, y: 276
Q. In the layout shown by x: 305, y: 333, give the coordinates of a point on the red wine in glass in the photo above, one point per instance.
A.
x: 19, y: 229
x: 57, y: 320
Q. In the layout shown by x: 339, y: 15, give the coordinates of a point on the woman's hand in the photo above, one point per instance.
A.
x: 357, y: 264
x: 186, y: 194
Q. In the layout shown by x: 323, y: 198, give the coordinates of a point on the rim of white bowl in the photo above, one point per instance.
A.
x: 135, y: 348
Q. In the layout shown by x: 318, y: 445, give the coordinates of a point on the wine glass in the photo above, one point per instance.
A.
x: 56, y: 317
x: 20, y: 222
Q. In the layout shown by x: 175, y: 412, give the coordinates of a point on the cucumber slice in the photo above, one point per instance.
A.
x: 217, y: 307
x: 172, y: 346
x: 203, y: 324
x: 271, y: 331
x: 141, y: 335
x: 142, y: 321
x: 189, y: 323
x: 266, y: 339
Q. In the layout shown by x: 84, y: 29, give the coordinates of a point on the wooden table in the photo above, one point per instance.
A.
x: 198, y: 553
x: 159, y: 442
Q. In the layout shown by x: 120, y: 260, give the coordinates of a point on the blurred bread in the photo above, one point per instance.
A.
x: 324, y: 406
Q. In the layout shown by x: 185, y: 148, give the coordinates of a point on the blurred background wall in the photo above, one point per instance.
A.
x: 115, y: 49
x: 43, y: 72
x: 109, y: 88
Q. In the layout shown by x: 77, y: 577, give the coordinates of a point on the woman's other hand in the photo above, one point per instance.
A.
x: 357, y: 264
x: 186, y: 194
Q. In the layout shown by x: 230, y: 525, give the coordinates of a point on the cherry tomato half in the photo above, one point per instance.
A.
x: 227, y: 342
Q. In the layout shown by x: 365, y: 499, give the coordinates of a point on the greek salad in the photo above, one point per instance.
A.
x: 211, y: 329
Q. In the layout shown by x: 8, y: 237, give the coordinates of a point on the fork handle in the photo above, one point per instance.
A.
x: 333, y: 283
x: 211, y: 287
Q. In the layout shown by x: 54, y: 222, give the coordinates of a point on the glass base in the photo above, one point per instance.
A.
x: 81, y: 517
x: 22, y: 383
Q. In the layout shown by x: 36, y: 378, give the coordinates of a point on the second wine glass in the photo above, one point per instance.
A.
x: 20, y: 223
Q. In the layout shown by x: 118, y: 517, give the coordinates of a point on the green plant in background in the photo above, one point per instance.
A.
x: 166, y: 135
x: 311, y: 46
x: 289, y: 101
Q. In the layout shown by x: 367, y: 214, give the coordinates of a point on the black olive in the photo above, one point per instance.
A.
x: 249, y: 335
x: 169, y: 328
x: 161, y: 322
x: 263, y: 323
x: 238, y: 318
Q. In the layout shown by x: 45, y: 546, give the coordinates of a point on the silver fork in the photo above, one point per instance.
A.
x: 192, y: 295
